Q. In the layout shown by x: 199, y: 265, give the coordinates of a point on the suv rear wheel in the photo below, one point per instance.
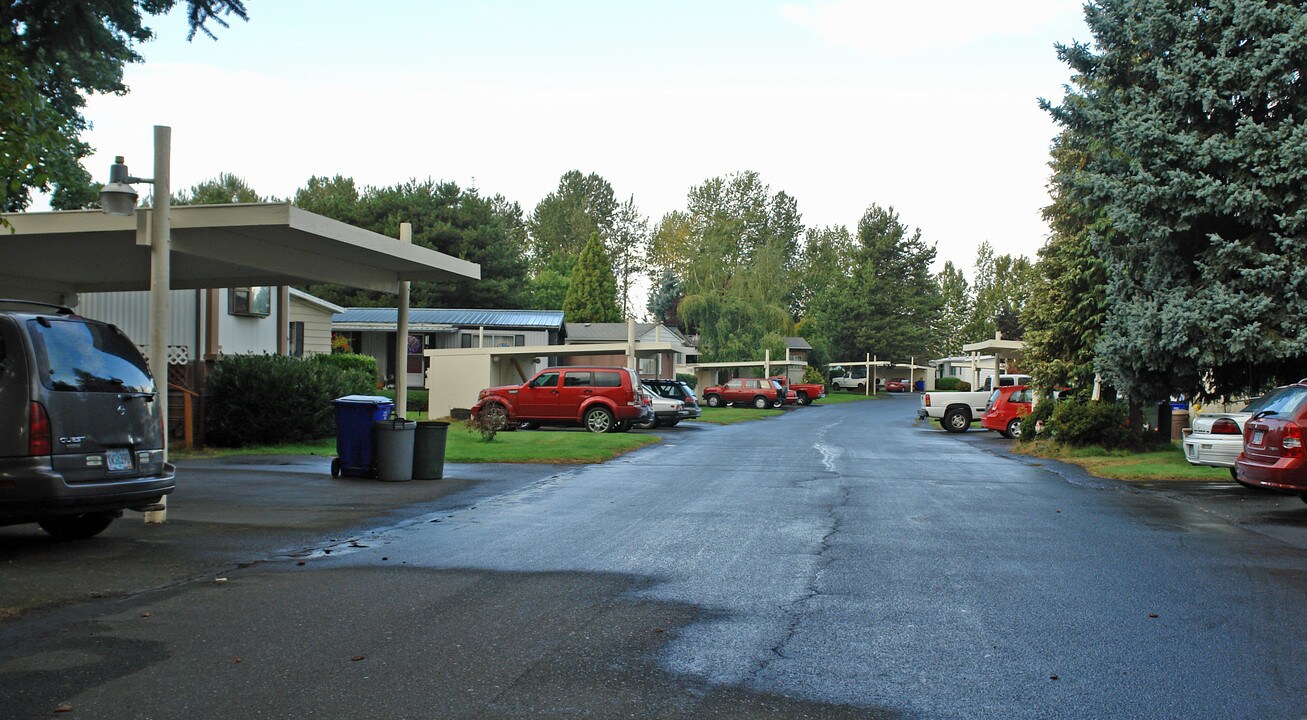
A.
x: 77, y: 527
x: 760, y: 402
x: 599, y: 420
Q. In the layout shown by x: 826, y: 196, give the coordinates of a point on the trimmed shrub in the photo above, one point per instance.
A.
x: 418, y: 400
x: 272, y: 399
x: 812, y: 375
x: 952, y: 384
x: 1043, y: 411
x: 688, y: 379
x: 1080, y: 423
x: 349, y: 361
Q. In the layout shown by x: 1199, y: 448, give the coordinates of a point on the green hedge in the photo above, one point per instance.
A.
x: 952, y: 384
x: 349, y: 361
x: 271, y: 399
x: 418, y: 400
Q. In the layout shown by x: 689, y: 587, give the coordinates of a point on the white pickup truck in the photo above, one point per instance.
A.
x: 955, y: 411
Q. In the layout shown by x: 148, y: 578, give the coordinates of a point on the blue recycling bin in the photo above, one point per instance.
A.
x: 355, y: 450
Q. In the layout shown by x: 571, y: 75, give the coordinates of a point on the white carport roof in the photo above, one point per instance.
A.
x: 213, y: 246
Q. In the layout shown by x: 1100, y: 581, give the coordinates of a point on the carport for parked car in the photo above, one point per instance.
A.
x: 1002, y: 351
x: 456, y: 376
x: 53, y: 256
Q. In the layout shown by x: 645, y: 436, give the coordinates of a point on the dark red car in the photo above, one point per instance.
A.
x: 599, y: 399
x: 758, y: 392
x: 1007, y: 406
x: 1273, y: 456
x: 897, y: 386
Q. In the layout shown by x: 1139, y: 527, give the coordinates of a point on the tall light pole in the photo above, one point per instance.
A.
x: 118, y: 198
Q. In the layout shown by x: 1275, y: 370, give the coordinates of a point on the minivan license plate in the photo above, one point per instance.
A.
x: 118, y: 459
x: 1257, y: 436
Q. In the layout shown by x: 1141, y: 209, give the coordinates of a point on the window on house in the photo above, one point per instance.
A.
x: 252, y: 301
x: 471, y: 340
x: 296, y: 344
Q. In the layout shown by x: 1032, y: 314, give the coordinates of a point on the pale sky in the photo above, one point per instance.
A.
x: 929, y: 107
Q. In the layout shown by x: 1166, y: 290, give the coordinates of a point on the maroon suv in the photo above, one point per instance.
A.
x: 600, y: 399
x: 758, y: 392
x: 1273, y: 456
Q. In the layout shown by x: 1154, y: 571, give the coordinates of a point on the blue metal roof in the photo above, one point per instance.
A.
x: 550, y: 319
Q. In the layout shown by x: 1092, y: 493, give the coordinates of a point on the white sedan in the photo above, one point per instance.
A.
x: 1217, y: 439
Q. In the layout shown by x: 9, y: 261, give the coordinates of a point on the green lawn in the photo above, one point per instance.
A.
x: 843, y: 396
x: 549, y: 445
x: 732, y: 415
x: 1168, y: 464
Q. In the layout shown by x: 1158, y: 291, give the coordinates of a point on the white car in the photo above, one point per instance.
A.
x: 1217, y: 439
x: 666, y: 411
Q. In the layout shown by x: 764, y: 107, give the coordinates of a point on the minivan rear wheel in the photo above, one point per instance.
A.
x: 77, y: 527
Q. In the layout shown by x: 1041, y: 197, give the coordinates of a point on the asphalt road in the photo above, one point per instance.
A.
x: 835, y: 562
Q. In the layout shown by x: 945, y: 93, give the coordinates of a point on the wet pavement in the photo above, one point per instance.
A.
x: 838, y: 561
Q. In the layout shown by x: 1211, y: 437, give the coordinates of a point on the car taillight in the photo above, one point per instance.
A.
x: 38, y: 430
x: 925, y: 401
x: 1291, y: 444
x: 1225, y: 426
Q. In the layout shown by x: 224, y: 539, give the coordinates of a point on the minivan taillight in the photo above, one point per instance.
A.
x: 1225, y: 426
x: 1291, y: 444
x: 38, y: 430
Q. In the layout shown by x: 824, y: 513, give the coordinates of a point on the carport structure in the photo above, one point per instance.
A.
x: 1001, y: 349
x: 456, y: 376
x: 53, y: 256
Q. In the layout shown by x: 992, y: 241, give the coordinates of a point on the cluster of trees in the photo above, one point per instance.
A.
x: 736, y: 266
x: 1175, y: 263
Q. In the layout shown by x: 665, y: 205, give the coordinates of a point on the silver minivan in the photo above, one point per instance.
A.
x: 81, y: 436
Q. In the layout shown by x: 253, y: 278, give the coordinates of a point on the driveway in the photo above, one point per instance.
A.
x: 833, y: 562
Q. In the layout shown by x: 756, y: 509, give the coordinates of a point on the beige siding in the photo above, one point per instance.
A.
x: 317, y: 326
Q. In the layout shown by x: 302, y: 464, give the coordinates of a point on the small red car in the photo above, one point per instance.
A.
x: 1007, y: 406
x: 1273, y: 455
x: 897, y: 386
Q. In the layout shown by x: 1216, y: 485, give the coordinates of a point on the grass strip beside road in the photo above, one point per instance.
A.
x: 732, y: 415
x: 1165, y: 464
x: 563, y: 446
x: 842, y: 396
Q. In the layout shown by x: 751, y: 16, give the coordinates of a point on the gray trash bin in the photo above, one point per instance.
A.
x: 429, y: 450
x: 394, y: 447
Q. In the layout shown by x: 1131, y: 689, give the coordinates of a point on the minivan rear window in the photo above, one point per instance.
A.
x: 77, y: 356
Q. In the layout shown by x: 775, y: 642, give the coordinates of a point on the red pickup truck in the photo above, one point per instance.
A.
x: 803, y: 393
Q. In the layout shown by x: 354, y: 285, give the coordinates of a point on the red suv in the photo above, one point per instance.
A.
x: 1007, y: 406
x: 1273, y: 456
x: 758, y: 392
x: 600, y: 399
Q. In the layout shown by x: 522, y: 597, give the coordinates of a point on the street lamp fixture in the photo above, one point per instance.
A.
x: 118, y: 197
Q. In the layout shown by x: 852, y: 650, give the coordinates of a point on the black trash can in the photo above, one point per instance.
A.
x: 429, y: 450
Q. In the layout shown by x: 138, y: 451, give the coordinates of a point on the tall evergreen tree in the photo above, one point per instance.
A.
x: 889, y: 302
x: 1192, y: 116
x: 955, y: 308
x: 592, y: 293
x: 1068, y: 297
